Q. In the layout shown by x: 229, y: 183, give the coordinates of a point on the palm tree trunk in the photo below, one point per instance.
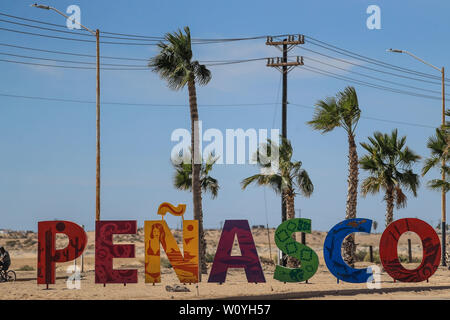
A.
x: 196, y: 168
x: 389, y: 205
x: 352, y: 192
x: 352, y: 198
x: 290, y: 214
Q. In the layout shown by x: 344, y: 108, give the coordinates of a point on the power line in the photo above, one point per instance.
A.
x: 129, y: 103
x: 123, y: 67
x: 113, y: 42
x: 220, y: 62
x: 72, y: 32
x: 309, y: 68
x: 374, y: 78
x: 72, y: 53
x: 48, y: 29
x: 368, y: 59
x: 71, y: 61
x: 369, y: 68
x: 80, y: 40
x: 126, y: 66
x: 143, y: 67
x: 132, y: 36
x: 186, y: 105
x: 217, y: 40
x: 153, y: 40
x: 232, y: 62
x: 368, y: 84
x: 32, y: 20
x: 375, y: 119
x: 210, y: 62
x: 68, y: 67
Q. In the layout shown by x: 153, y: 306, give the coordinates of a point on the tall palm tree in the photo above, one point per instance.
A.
x: 175, y: 65
x: 389, y: 164
x: 290, y: 179
x: 182, y: 179
x: 438, y: 145
x: 343, y: 111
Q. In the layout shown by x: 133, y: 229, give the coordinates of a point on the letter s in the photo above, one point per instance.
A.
x: 308, y: 258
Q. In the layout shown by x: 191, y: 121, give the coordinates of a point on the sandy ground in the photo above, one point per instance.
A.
x: 322, y: 286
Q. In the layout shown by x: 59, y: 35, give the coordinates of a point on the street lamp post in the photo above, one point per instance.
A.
x: 96, y: 33
x: 443, y: 195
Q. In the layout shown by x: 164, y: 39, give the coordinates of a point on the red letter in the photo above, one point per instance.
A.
x: 105, y: 251
x: 431, y: 250
x: 47, y: 253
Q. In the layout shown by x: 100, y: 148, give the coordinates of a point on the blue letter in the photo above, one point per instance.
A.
x: 332, y: 250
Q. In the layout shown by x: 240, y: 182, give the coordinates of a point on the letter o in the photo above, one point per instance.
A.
x: 431, y: 250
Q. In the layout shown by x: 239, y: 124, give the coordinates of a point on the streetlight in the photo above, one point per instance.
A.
x: 443, y: 201
x: 96, y: 33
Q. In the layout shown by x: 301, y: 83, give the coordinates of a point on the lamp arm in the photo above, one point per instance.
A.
x: 73, y: 20
x: 417, y: 58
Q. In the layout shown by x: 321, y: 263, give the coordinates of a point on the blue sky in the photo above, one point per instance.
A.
x: 48, y: 148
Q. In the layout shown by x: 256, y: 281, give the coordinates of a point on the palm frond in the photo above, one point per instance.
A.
x: 439, y: 185
x: 389, y: 163
x: 182, y: 179
x: 290, y: 176
x: 326, y: 115
x: 400, y: 198
x: 174, y: 62
x: 371, y: 185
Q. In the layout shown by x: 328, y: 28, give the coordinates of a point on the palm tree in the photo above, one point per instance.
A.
x: 389, y: 164
x: 438, y: 145
x: 182, y: 179
x: 290, y: 179
x: 175, y: 65
x: 343, y: 111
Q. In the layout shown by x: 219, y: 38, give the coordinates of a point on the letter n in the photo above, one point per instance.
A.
x: 158, y: 233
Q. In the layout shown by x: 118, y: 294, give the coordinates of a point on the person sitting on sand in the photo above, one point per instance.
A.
x: 5, y: 260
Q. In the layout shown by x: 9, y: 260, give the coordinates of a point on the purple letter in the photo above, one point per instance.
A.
x: 224, y: 260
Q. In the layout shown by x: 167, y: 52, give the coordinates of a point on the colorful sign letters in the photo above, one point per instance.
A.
x: 47, y: 253
x: 332, y: 250
x: 186, y: 265
x: 308, y: 258
x: 431, y: 250
x: 105, y: 251
x: 248, y: 260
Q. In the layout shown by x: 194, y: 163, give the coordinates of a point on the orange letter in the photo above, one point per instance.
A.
x: 186, y: 267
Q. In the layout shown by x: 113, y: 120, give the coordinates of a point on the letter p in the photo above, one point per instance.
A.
x: 47, y: 253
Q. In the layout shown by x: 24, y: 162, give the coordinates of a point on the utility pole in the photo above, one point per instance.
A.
x: 95, y: 33
x: 97, y: 178
x: 443, y: 193
x: 284, y: 66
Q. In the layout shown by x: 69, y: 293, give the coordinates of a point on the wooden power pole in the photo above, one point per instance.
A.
x: 284, y: 66
x: 443, y: 196
x: 97, y: 178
